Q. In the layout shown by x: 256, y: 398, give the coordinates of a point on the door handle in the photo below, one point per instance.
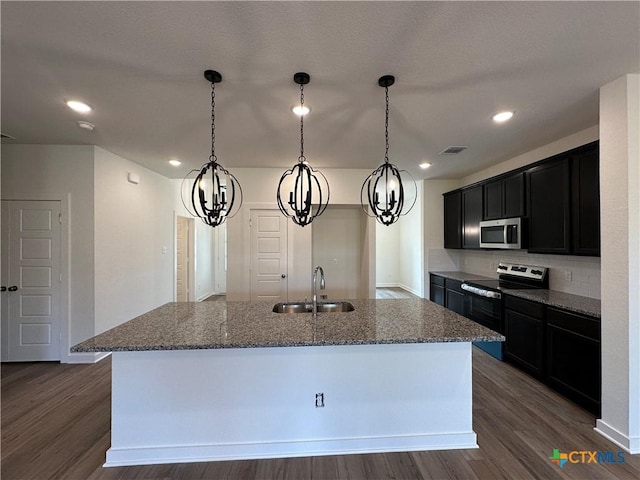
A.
x: 3, y: 289
x: 283, y: 276
x: 13, y: 288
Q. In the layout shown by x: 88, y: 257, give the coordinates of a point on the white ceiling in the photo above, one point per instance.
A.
x: 140, y: 65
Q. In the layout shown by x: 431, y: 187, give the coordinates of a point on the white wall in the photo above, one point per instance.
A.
x: 568, y: 273
x: 134, y: 241
x: 259, y: 186
x: 204, y: 246
x: 620, y: 207
x: 337, y: 246
x: 388, y: 255
x: 411, y: 247
x: 61, y: 172
x: 436, y: 257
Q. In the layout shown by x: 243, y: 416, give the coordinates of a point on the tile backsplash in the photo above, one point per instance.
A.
x: 567, y: 273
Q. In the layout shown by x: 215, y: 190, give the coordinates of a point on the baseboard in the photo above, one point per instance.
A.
x: 85, y: 357
x: 399, y: 285
x: 205, y: 296
x: 245, y: 451
x: 410, y: 290
x: 629, y: 444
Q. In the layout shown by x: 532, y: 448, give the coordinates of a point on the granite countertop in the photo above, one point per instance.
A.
x: 212, y: 325
x: 462, y: 276
x: 566, y: 301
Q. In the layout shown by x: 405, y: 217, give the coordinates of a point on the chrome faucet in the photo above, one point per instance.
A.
x: 315, y: 287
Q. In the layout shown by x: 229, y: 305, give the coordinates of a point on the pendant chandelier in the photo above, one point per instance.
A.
x: 215, y: 194
x: 385, y: 191
x: 305, y: 191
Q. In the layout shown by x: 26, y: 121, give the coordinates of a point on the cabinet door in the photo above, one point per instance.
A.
x: 453, y: 220
x: 585, y: 202
x: 436, y: 293
x: 513, y: 196
x: 548, y: 207
x: 574, y: 357
x: 525, y: 342
x: 472, y: 216
x: 493, y: 200
x: 454, y: 296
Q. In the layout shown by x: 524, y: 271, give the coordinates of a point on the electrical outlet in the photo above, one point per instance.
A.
x: 568, y: 275
x: 319, y: 400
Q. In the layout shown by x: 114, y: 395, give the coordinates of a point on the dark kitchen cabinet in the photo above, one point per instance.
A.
x: 585, y: 201
x: 524, y: 331
x: 471, y: 216
x: 574, y: 357
x: 454, y: 296
x: 548, y: 192
x: 453, y: 219
x: 437, y: 289
x: 504, y: 197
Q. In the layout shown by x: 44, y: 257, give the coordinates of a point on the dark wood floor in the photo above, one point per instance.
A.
x: 55, y: 425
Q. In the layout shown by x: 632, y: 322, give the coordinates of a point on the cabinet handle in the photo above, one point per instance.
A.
x: 283, y: 276
x: 3, y: 289
x: 13, y: 288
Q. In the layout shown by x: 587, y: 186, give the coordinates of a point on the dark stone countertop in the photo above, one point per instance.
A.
x: 553, y: 298
x: 213, y: 325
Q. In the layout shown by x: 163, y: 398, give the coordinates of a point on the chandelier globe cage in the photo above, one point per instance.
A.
x: 215, y: 194
x: 388, y: 192
x: 303, y: 192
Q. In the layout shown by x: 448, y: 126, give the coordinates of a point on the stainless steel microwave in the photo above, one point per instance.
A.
x: 505, y: 233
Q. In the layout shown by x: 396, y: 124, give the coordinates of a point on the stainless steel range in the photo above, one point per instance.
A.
x: 483, y: 298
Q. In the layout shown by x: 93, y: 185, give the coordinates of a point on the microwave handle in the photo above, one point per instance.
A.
x: 504, y: 233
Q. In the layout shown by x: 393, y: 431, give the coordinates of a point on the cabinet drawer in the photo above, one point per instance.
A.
x: 533, y: 309
x: 455, y: 285
x: 437, y: 280
x: 574, y: 322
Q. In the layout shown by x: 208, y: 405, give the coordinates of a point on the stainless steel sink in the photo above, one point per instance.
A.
x: 323, y: 307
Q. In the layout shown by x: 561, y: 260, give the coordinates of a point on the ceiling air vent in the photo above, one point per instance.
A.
x: 4, y: 135
x: 452, y: 150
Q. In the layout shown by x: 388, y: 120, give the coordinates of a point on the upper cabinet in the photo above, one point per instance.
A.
x: 453, y: 219
x: 471, y: 216
x: 585, y: 201
x: 564, y: 203
x: 548, y: 206
x: 504, y: 197
x: 559, y: 198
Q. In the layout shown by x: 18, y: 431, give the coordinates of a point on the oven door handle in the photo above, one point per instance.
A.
x: 480, y: 292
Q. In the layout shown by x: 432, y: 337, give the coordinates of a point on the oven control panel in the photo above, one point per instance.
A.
x: 523, y: 271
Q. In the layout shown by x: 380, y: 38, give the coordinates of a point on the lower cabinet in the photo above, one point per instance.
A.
x: 558, y: 347
x: 437, y: 290
x: 454, y: 296
x: 574, y: 357
x: 524, y: 329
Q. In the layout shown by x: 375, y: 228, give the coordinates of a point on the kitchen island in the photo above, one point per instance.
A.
x: 220, y: 381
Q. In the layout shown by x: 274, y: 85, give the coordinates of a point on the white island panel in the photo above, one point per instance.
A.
x: 222, y: 404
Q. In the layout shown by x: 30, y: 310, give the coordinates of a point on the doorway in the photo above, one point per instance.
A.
x: 31, y: 280
x: 268, y: 255
x: 184, y: 259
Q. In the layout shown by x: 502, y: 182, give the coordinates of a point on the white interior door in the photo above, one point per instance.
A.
x: 183, y: 258
x: 31, y: 252
x: 268, y: 255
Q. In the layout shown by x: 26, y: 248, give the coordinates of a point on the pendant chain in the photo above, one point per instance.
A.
x: 302, y: 157
x: 213, y: 122
x: 386, y: 126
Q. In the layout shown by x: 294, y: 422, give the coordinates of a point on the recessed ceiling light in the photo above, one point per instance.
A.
x: 78, y: 106
x: 175, y: 162
x: 86, y: 125
x: 502, y: 117
x: 300, y: 110
x: 424, y: 165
